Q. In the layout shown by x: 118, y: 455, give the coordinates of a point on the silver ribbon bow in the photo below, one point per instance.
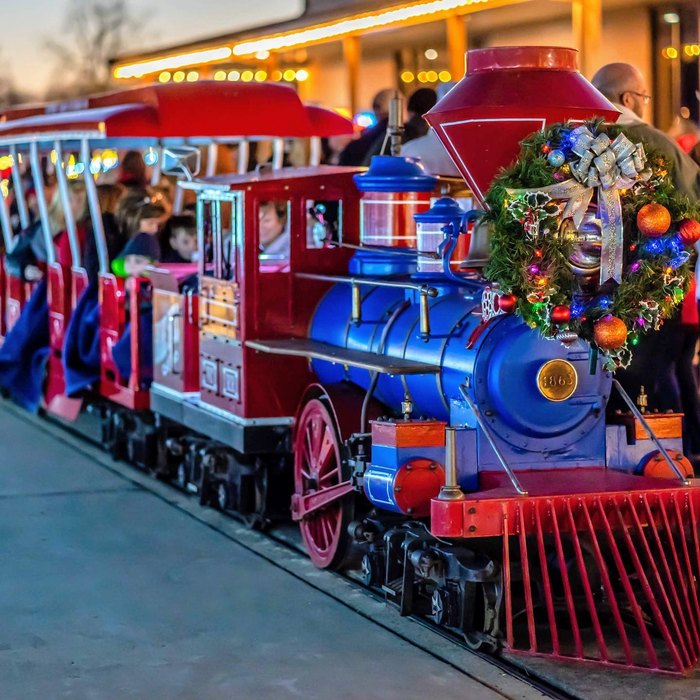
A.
x: 607, y: 167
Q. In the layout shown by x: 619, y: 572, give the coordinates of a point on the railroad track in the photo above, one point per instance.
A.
x: 281, y: 547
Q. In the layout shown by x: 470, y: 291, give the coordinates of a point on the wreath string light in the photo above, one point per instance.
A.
x: 590, y: 237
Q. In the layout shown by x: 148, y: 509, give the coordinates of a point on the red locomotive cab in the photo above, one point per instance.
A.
x: 258, y: 238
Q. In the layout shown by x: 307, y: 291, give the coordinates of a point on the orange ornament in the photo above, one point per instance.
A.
x: 610, y: 332
x: 689, y: 231
x: 653, y: 220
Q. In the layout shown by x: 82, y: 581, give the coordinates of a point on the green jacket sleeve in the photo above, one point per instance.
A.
x: 685, y: 172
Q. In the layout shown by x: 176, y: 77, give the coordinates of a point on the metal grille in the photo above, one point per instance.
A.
x: 609, y: 578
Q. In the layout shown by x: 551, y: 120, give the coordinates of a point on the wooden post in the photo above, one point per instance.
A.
x: 456, y: 27
x: 587, y: 24
x: 352, y: 53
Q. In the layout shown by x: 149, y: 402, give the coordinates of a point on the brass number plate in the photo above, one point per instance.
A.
x: 557, y: 380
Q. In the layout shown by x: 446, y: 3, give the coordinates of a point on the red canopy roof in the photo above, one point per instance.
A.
x: 214, y: 108
x: 106, y: 122
x: 180, y: 110
x: 326, y: 122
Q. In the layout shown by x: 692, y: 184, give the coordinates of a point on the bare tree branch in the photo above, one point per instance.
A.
x: 9, y: 93
x: 93, y: 32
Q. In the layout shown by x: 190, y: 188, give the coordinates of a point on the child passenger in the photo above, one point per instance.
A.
x: 143, y: 248
x: 273, y: 229
x: 182, y: 240
x: 140, y: 252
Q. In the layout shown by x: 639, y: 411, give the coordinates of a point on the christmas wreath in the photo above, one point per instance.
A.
x: 589, y: 238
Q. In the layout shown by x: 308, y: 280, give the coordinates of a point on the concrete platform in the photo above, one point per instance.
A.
x: 110, y: 590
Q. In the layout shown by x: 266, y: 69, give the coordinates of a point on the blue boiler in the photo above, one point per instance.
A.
x: 498, y: 366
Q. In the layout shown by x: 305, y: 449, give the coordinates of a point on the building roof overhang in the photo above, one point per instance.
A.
x: 308, y: 30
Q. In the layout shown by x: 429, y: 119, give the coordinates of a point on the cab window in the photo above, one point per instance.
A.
x: 274, y: 219
x: 323, y: 222
x: 219, y: 231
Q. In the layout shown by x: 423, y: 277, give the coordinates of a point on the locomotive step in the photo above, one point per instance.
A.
x: 314, y: 349
x: 393, y: 588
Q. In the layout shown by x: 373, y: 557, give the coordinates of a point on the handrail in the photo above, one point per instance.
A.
x: 157, y: 167
x: 492, y: 442
x: 40, y: 193
x: 315, y: 151
x: 212, y: 157
x: 69, y: 216
x: 410, y: 252
x: 640, y: 417
x: 424, y: 290
x: 277, y: 153
x: 98, y: 230
x: 22, y: 208
x: 370, y: 282
x: 6, y: 223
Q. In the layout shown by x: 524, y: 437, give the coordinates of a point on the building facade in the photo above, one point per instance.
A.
x: 339, y: 53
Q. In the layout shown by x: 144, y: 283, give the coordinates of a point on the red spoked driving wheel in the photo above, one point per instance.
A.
x: 317, y: 468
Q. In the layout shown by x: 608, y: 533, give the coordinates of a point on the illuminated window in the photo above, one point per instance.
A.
x: 323, y: 222
x: 273, y: 233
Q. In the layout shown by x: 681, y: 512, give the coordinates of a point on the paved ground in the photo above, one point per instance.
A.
x: 109, y: 591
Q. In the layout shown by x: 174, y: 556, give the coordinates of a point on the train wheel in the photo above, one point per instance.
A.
x: 222, y: 496
x: 318, y: 466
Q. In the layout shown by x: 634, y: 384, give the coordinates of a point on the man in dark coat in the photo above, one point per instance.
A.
x: 421, y: 101
x: 658, y: 364
x: 360, y: 151
x: 624, y: 85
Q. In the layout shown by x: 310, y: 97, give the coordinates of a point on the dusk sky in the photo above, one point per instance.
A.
x: 27, y: 24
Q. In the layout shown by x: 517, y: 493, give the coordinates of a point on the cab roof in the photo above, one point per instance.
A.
x: 234, y: 181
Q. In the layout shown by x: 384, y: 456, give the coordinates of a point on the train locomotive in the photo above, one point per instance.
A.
x: 463, y: 459
x: 374, y: 385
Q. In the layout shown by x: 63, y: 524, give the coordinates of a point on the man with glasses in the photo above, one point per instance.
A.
x: 624, y: 85
x: 661, y: 362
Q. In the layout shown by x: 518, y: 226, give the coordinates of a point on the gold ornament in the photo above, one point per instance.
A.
x: 610, y: 332
x: 653, y: 220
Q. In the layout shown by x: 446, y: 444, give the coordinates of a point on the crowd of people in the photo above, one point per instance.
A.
x: 137, y: 220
